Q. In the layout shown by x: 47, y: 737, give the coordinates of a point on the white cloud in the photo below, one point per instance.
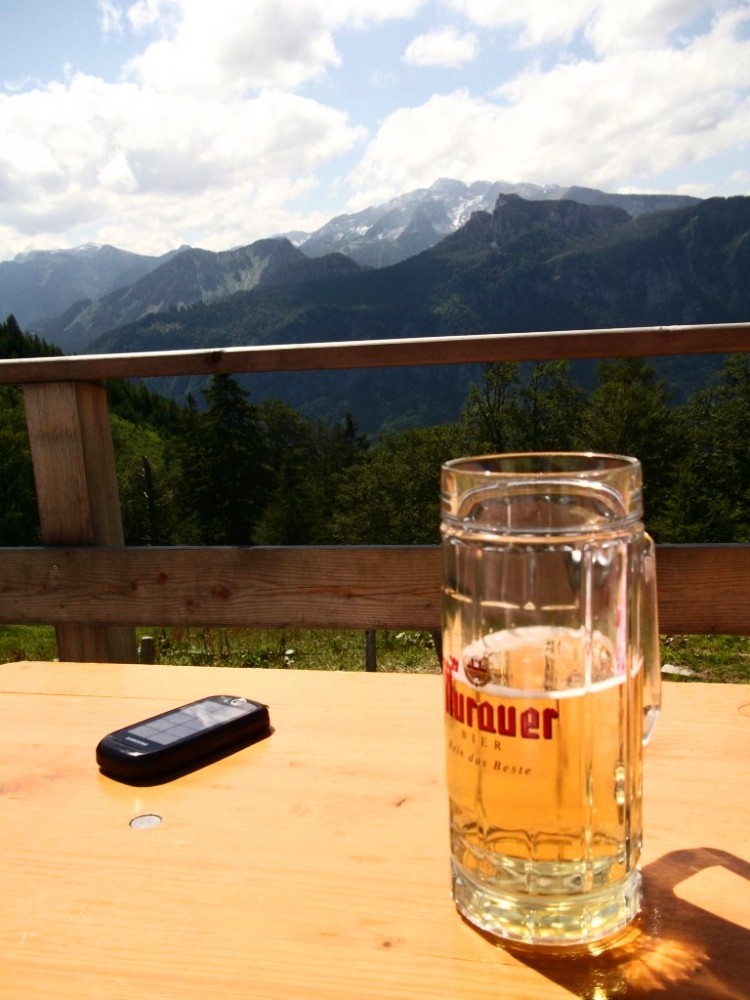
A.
x: 608, y: 25
x: 230, y: 47
x: 600, y: 122
x: 208, y: 138
x: 458, y: 136
x: 204, y: 136
x: 146, y: 13
x: 538, y: 21
x: 642, y: 24
x: 360, y: 13
x: 239, y: 45
x: 160, y: 163
x: 443, y: 47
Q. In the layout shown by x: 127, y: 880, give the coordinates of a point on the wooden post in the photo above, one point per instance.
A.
x: 371, y: 655
x: 76, y: 486
x: 147, y: 649
x: 437, y: 638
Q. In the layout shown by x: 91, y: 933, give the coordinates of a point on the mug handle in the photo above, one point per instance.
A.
x: 649, y: 629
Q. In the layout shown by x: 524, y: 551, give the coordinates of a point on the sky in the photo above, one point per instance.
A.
x: 213, y: 123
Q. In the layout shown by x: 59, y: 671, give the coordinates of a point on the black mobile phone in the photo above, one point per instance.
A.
x: 182, y: 738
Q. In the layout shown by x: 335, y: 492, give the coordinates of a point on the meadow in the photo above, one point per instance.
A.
x: 717, y: 658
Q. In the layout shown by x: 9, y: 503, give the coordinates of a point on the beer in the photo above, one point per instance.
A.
x: 543, y: 761
x: 552, y: 685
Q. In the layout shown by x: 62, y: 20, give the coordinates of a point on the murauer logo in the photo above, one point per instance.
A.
x: 496, y: 717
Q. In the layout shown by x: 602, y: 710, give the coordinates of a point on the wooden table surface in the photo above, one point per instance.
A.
x: 314, y: 864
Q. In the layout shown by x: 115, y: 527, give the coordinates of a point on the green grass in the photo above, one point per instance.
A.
x: 302, y: 649
x: 27, y: 642
x: 309, y: 649
x: 720, y: 658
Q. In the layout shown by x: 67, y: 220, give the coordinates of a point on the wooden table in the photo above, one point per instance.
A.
x: 315, y: 864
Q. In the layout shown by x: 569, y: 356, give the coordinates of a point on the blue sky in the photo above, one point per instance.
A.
x: 152, y: 123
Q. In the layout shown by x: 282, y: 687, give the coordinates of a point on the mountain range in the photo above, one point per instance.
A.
x: 39, y: 288
x: 524, y: 265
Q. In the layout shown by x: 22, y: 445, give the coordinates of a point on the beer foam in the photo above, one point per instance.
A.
x: 543, y: 655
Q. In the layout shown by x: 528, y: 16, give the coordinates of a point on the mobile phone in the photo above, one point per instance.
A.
x: 182, y: 738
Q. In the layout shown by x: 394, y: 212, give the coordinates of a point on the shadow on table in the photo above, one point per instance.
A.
x: 674, y: 949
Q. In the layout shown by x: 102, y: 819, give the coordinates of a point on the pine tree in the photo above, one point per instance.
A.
x: 224, y: 469
x: 392, y: 497
x: 491, y: 416
x: 628, y: 413
x: 710, y: 497
x: 19, y: 521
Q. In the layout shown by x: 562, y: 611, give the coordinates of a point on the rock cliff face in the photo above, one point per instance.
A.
x: 572, y: 220
x: 514, y: 219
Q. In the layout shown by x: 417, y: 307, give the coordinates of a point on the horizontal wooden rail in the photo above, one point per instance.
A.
x: 702, y: 588
x: 304, y: 587
x: 572, y: 344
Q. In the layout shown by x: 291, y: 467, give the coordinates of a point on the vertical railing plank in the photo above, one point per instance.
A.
x: 76, y: 485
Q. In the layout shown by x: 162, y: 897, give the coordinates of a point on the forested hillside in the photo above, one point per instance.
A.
x: 239, y: 471
x: 525, y: 266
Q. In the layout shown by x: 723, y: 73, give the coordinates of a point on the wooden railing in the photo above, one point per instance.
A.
x: 95, y: 590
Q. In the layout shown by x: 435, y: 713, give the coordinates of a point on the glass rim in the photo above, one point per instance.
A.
x: 502, y: 465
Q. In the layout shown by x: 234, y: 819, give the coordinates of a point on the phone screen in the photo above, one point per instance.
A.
x: 186, y: 721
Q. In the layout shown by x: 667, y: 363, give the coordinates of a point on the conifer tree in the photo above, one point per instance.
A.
x: 710, y: 496
x: 628, y: 413
x: 19, y: 521
x: 524, y: 408
x: 224, y: 465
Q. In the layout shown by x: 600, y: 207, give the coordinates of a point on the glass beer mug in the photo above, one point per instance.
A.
x: 552, y: 687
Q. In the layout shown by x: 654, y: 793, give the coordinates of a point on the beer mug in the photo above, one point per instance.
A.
x: 552, y: 687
